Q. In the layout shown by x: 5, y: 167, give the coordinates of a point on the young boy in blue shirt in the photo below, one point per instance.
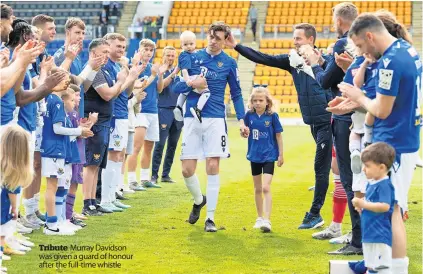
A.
x: 376, y: 208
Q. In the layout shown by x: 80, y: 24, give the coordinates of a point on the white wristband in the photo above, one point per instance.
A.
x: 88, y: 73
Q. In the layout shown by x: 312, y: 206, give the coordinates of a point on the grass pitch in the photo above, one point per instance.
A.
x: 155, y: 233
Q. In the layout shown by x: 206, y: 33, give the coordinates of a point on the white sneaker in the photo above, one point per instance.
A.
x: 344, y: 239
x: 63, y: 225
x: 34, y: 219
x: 57, y: 231
x: 178, y: 113
x: 327, y: 234
x: 23, y: 241
x: 13, y: 243
x: 356, y: 162
x: 72, y: 226
x: 3, y: 269
x: 266, y: 226
x: 21, y: 229
x: 27, y: 223
x: 259, y: 221
x: 5, y: 257
x: 126, y: 190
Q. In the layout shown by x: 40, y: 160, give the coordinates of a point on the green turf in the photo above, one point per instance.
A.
x: 156, y: 234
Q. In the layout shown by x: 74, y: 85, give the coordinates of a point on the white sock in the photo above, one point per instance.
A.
x: 400, y: 265
x: 213, y: 186
x: 181, y: 100
x: 63, y: 213
x: 193, y: 186
x: 114, y: 181
x: 107, y: 175
x: 203, y: 100
x: 36, y: 201
x: 368, y: 133
x: 145, y: 174
x: 132, y: 177
x: 335, y: 226
x: 119, y: 177
x: 355, y: 145
x: 29, y: 205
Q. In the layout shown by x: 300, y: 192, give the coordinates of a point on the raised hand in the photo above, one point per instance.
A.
x: 230, y: 42
x: 93, y: 117
x: 57, y: 81
x: 123, y: 73
x: 343, y: 60
x: 47, y: 63
x: 96, y: 62
x: 86, y: 132
x: 163, y: 68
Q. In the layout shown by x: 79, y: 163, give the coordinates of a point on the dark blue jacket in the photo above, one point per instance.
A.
x: 313, y: 99
x: 330, y: 75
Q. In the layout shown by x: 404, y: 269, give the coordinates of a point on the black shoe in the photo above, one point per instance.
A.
x: 91, y: 211
x: 78, y: 222
x: 195, y: 212
x: 120, y: 197
x: 347, y: 250
x: 101, y: 209
x: 196, y: 113
x: 209, y: 226
x: 311, y: 221
x: 40, y: 216
x: 168, y: 180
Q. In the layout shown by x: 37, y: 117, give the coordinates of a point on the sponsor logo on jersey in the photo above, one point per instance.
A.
x: 412, y: 51
x: 385, y: 78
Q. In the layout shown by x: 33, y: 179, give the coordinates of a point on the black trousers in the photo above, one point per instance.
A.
x: 322, y: 135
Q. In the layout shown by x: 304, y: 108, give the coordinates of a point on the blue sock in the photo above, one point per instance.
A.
x: 60, y: 193
x: 93, y: 202
x: 51, y: 222
x: 87, y: 203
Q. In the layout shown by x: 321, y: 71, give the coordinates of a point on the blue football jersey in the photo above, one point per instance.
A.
x: 219, y: 71
x: 376, y: 227
x: 120, y: 104
x: 53, y: 145
x: 6, y: 215
x: 369, y: 86
x: 190, y: 62
x: 400, y: 75
x: 149, y: 104
x: 75, y: 69
x: 262, y: 144
x: 28, y: 113
x: 8, y: 106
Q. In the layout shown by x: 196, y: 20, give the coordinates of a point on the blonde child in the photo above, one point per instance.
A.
x: 16, y: 173
x: 377, y: 207
x: 265, y: 147
x: 190, y: 68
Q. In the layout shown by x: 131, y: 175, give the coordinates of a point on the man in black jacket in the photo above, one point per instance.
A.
x: 329, y: 76
x: 313, y: 100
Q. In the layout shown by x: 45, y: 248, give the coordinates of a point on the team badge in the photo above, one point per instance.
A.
x: 117, y: 143
x: 60, y: 171
x: 219, y: 64
x: 96, y: 157
x: 267, y: 123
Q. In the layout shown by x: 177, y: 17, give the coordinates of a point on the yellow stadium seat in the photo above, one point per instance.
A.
x: 257, y: 80
x: 286, y: 91
x: 276, y: 20
x: 306, y: 12
x: 243, y: 20
x: 285, y: 101
x: 313, y: 12
x: 265, y: 80
x: 218, y: 5
x: 232, y: 5
x: 271, y: 44
x: 293, y: 4
x: 300, y: 5
x: 284, y: 13
x: 281, y: 4
x: 299, y: 11
x: 272, y: 4
x: 272, y: 81
x: 280, y: 82
x: 267, y: 28
x: 274, y: 72
x: 278, y: 13
x: 278, y: 44
x: 211, y: 4
x: 236, y: 21
x: 258, y: 72
x: 266, y: 71
x: 184, y: 4
x: 177, y: 5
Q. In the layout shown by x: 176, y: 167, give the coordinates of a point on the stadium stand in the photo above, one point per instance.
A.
x: 195, y: 15
x: 283, y: 15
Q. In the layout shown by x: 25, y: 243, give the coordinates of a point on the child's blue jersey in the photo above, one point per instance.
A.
x: 400, y: 75
x: 376, y: 227
x: 369, y: 86
x: 6, y: 216
x: 189, y: 62
x: 149, y: 104
x: 53, y: 145
x: 219, y: 70
x: 120, y: 104
x: 28, y: 113
x: 262, y: 144
x: 71, y: 148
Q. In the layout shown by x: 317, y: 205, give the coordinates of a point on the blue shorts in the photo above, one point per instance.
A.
x: 97, y: 146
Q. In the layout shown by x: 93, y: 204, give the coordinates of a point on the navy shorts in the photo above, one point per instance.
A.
x: 97, y: 146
